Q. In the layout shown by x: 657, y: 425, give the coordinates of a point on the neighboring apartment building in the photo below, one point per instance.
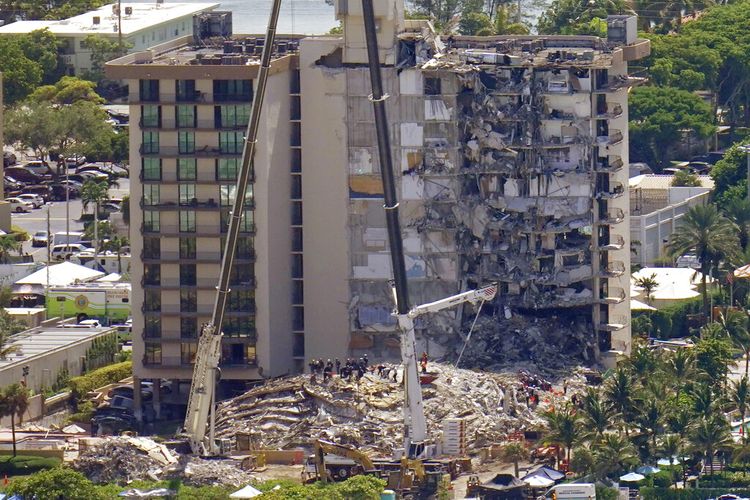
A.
x: 511, y: 151
x: 141, y: 25
x: 655, y: 210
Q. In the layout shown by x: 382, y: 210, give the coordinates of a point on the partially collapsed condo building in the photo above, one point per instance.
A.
x: 512, y: 154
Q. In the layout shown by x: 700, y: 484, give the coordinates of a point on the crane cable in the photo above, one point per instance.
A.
x: 468, y: 337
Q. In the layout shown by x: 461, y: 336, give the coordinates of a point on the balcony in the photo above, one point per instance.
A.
x: 200, y: 152
x: 613, y: 164
x: 614, y: 324
x: 615, y: 190
x: 616, y: 242
x: 192, y: 204
x: 165, y: 257
x: 176, y: 283
x: 614, y: 269
x: 613, y: 217
x: 170, y: 309
x: 171, y: 124
x: 619, y: 82
x: 610, y: 110
x: 613, y: 137
x: 197, y: 230
x: 614, y: 295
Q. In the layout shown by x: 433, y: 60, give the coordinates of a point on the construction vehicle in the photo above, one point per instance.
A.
x: 336, y: 462
x: 202, y: 399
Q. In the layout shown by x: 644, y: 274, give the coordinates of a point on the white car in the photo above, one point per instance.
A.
x: 18, y: 205
x: 36, y: 200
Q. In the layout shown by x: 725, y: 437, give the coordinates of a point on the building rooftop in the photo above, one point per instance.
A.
x: 142, y: 16
x: 40, y: 341
x: 654, y: 181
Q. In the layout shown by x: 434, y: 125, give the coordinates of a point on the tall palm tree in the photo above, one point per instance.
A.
x: 619, y: 391
x: 679, y: 421
x: 116, y: 244
x: 680, y: 365
x: 597, y: 413
x: 710, y: 235
x: 515, y: 452
x: 649, y: 284
x: 650, y: 419
x: 643, y: 362
x: 709, y: 435
x: 735, y: 325
x: 739, y: 397
x: 564, y: 428
x: 95, y: 192
x: 14, y: 401
x: 614, y: 454
x: 8, y: 244
x: 738, y: 211
x: 704, y: 399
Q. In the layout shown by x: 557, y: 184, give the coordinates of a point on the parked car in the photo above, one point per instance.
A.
x: 58, y: 190
x: 40, y: 239
x: 39, y: 167
x: 699, y: 167
x: 93, y: 174
x: 66, y: 250
x: 108, y: 208
x: 75, y: 161
x: 18, y: 205
x: 41, y: 190
x: 8, y: 159
x: 23, y: 175
x: 10, y: 184
x: 33, y: 198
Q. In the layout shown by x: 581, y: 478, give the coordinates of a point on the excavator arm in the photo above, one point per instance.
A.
x: 325, y: 447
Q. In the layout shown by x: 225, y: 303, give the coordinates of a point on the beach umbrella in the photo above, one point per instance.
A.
x: 538, y: 481
x: 632, y: 477
x: 647, y: 470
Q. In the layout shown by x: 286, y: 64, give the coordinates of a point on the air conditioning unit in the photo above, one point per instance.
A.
x: 128, y: 11
x: 97, y: 20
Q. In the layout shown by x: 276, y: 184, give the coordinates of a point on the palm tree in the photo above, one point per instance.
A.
x: 597, y: 414
x: 650, y: 419
x: 709, y: 435
x: 116, y: 244
x: 738, y: 211
x: 739, y: 396
x: 679, y: 420
x: 614, y: 454
x: 619, y: 392
x: 735, y: 326
x: 710, y: 235
x: 670, y: 446
x: 649, y: 284
x: 680, y: 365
x: 515, y: 452
x: 94, y: 192
x: 13, y: 402
x: 8, y: 244
x: 564, y: 428
x: 704, y: 399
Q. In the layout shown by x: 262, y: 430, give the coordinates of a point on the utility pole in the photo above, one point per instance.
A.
x: 119, y: 25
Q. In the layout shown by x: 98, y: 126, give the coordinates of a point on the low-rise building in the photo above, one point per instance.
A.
x: 655, y: 209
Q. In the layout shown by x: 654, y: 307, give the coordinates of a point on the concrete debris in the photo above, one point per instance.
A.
x: 292, y: 412
x: 226, y: 472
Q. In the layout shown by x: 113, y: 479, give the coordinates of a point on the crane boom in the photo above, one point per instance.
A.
x: 203, y: 387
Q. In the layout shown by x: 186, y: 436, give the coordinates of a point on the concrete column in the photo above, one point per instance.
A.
x: 157, y: 397
x: 137, y: 399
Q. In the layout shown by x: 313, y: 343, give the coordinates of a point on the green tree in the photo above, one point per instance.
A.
x: 103, y: 49
x: 43, y: 47
x: 738, y: 211
x: 660, y: 115
x: 649, y: 284
x: 709, y: 435
x: 583, y: 461
x: 712, y: 357
x: 670, y: 446
x: 573, y: 17
x: 704, y: 231
x: 60, y: 482
x: 95, y: 192
x: 730, y: 178
x: 67, y: 90
x: 735, y: 325
x: 615, y: 454
x: 619, y: 391
x: 117, y: 244
x: 14, y: 401
x: 442, y: 11
x: 475, y: 23
x: 683, y: 178
x: 364, y: 487
x: 8, y: 244
x: 504, y: 23
x: 650, y: 419
x: 514, y: 453
x: 126, y: 209
x: 597, y: 414
x: 564, y: 428
x: 739, y: 396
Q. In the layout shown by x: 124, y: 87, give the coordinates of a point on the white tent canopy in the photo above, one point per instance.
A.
x: 246, y: 492
x: 63, y: 274
x: 538, y: 481
x: 632, y: 477
x: 673, y: 283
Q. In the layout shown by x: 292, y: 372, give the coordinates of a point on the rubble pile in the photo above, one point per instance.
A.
x: 117, y: 460
x: 199, y: 472
x: 292, y: 412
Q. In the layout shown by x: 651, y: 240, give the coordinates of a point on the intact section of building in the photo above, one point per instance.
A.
x: 189, y: 109
x: 511, y: 153
x: 141, y: 25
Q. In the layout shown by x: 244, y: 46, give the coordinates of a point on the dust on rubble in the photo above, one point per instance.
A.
x: 292, y: 412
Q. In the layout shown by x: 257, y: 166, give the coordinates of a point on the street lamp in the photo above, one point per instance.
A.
x: 746, y: 149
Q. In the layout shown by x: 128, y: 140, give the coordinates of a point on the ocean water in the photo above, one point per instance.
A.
x: 297, y: 16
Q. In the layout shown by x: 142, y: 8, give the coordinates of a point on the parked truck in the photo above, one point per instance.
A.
x: 108, y: 302
x: 573, y: 491
x: 64, y: 238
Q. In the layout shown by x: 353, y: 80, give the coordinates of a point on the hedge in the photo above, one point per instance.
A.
x: 672, y: 320
x: 80, y: 386
x: 26, y: 464
x: 689, y: 494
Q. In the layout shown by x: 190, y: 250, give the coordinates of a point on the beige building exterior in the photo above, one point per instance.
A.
x: 511, y: 152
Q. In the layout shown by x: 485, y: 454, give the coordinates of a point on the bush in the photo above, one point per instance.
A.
x: 80, y: 386
x: 19, y: 233
x: 26, y: 464
x: 60, y: 482
x: 662, y: 479
x: 672, y: 320
x: 605, y: 493
x: 83, y: 415
x: 689, y: 494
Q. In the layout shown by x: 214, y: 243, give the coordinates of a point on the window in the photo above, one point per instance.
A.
x: 151, y: 274
x: 246, y: 223
x: 150, y: 142
x: 297, y: 239
x: 185, y: 116
x: 151, y: 221
x: 151, y: 168
x: 294, y: 82
x: 186, y: 142
x: 228, y: 193
x: 296, y: 213
x: 187, y: 221
x: 295, y: 135
x: 186, y: 169
x: 152, y: 355
x: 298, y: 345
x: 432, y: 86
x: 149, y: 90
x: 296, y: 161
x: 245, y: 248
x: 231, y: 142
x: 243, y: 326
x: 187, y: 353
x: 232, y: 115
x: 297, y: 269
x: 185, y: 90
x: 237, y: 354
x: 227, y: 168
x: 188, y: 300
x: 187, y: 194
x: 188, y: 328
x: 295, y: 108
x: 151, y: 300
x: 241, y: 300
x: 242, y: 275
x: 151, y: 248
x: 152, y: 327
x: 296, y: 193
x: 298, y: 292
x: 187, y: 248
x: 298, y: 318
x: 233, y: 90
x: 187, y: 275
x: 151, y: 194
x: 151, y: 116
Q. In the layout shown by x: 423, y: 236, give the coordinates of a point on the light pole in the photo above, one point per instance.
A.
x: 746, y: 149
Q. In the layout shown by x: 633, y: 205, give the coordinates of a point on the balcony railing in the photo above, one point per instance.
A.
x: 177, y: 309
x: 198, y: 151
x: 616, y: 242
x: 614, y: 269
x: 198, y: 98
x: 614, y: 295
x: 614, y: 164
x: 193, y: 203
x: 166, y: 256
x: 197, y: 282
x: 611, y: 110
x: 171, y: 124
x: 615, y: 190
x: 612, y: 217
x: 614, y: 324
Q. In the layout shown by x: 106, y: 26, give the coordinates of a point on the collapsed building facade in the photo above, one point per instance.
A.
x: 512, y: 154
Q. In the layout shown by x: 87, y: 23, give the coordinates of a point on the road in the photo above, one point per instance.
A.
x: 36, y: 220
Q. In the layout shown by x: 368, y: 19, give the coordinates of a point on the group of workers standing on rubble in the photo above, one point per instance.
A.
x: 352, y: 368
